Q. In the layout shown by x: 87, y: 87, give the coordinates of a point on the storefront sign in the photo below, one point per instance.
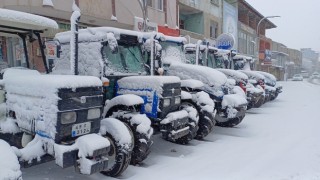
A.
x: 225, y: 41
x: 138, y: 25
x: 169, y: 31
x: 230, y: 21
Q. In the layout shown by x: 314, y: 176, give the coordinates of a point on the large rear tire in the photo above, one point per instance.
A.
x: 231, y: 122
x: 119, y: 155
x: 206, y: 124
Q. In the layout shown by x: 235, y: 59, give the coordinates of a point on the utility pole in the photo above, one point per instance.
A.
x: 144, y: 7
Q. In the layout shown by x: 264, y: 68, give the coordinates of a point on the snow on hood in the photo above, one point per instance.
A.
x: 145, y: 82
x: 26, y: 20
x: 192, y: 83
x: 233, y: 100
x: 268, y: 75
x: 29, y: 80
x: 253, y: 75
x: 9, y: 164
x: 204, y: 74
x: 237, y: 75
x: 97, y: 34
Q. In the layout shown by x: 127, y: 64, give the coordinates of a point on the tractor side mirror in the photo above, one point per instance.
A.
x: 58, y: 51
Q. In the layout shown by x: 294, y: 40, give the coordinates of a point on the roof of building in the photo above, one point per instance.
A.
x: 245, y: 5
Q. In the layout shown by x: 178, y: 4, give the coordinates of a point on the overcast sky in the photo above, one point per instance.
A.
x: 299, y: 24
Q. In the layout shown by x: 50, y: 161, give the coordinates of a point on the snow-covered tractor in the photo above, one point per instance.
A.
x: 115, y: 56
x: 57, y: 117
x: 230, y: 107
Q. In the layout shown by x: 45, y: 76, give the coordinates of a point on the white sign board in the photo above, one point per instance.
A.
x: 138, y: 25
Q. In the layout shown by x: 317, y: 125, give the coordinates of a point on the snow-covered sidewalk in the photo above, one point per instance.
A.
x: 278, y: 141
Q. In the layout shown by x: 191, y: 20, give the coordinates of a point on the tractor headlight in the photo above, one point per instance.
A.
x: 177, y: 100
x: 68, y: 117
x: 94, y: 113
x: 166, y: 102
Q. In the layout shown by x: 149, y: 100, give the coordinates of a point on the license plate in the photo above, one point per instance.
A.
x: 80, y: 129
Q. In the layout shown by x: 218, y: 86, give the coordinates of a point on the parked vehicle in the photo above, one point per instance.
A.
x: 191, y: 88
x: 315, y: 75
x: 297, y: 77
x: 258, y: 81
x: 271, y: 84
x: 230, y: 107
x: 222, y: 61
x: 57, y: 117
x: 115, y: 55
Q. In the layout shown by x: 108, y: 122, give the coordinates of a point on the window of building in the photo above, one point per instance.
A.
x: 213, y: 29
x: 181, y: 24
x: 157, y: 4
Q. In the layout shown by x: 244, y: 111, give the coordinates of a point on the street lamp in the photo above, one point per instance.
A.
x: 257, y: 31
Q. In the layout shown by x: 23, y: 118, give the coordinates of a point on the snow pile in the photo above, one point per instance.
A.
x: 238, y: 90
x: 212, y: 79
x: 204, y: 74
x: 253, y: 75
x: 233, y: 100
x: 9, y: 164
x: 140, y: 121
x: 252, y: 89
x: 174, y: 116
x: 204, y: 101
x: 237, y: 75
x: 34, y: 149
x: 268, y: 75
x: 185, y: 95
x: 145, y: 84
x: 192, y: 83
x: 26, y: 20
x: 126, y: 99
x: 116, y: 128
x: 87, y: 145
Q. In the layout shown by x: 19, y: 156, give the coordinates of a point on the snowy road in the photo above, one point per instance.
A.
x: 280, y: 140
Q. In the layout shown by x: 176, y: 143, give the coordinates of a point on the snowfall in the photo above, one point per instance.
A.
x: 278, y: 141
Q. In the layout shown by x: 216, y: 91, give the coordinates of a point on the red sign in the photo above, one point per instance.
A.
x: 169, y: 31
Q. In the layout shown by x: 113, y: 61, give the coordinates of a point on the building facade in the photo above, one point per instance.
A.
x: 310, y: 60
x: 200, y: 19
x: 162, y: 16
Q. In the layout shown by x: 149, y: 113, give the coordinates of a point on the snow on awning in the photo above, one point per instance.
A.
x: 22, y: 20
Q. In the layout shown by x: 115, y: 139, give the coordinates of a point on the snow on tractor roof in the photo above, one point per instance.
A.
x: 27, y: 21
x: 234, y: 74
x: 97, y: 34
x: 161, y: 37
x: 204, y: 74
